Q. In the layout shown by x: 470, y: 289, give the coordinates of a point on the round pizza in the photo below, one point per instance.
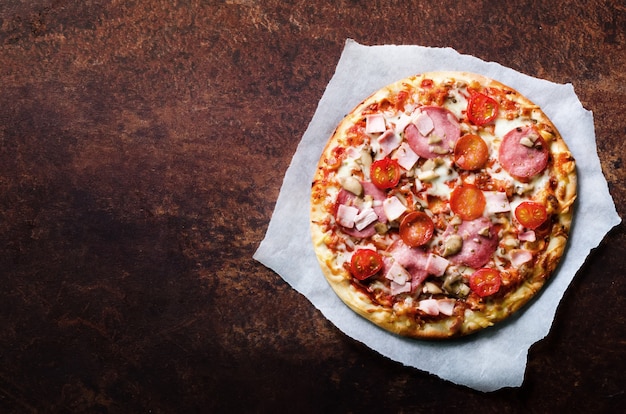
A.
x: 442, y: 204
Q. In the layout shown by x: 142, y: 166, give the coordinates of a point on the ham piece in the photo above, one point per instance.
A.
x: 434, y: 307
x: 520, y: 256
x: 345, y: 215
x: 405, y: 156
x: 413, y: 260
x: 358, y: 223
x: 388, y: 141
x: 529, y: 236
x: 433, y: 132
x: 393, y: 208
x: 496, y: 202
x: 477, y: 248
x: 400, y: 278
x: 374, y: 123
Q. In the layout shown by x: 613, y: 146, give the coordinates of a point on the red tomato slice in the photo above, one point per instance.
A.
x: 531, y: 214
x: 385, y: 173
x: 481, y: 109
x: 468, y: 202
x: 485, y: 282
x: 365, y: 263
x: 416, y: 229
x: 471, y: 152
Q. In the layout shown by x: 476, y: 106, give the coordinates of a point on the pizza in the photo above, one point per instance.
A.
x: 442, y: 204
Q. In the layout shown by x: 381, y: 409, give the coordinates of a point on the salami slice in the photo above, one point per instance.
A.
x: 479, y: 242
x: 433, y: 132
x: 523, y: 152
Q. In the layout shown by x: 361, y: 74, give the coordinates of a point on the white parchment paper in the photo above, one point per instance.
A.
x: 485, y: 361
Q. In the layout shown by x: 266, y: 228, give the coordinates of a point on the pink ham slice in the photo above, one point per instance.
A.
x: 477, y: 250
x: 379, y: 196
x: 388, y: 141
x: 413, y: 260
x: 445, y: 127
x: 520, y: 160
x: 520, y: 256
x: 434, y: 307
x: 347, y: 198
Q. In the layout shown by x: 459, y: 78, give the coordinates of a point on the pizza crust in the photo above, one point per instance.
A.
x: 332, y: 247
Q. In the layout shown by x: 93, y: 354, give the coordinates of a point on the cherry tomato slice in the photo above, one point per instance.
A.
x: 481, y: 109
x: 416, y: 229
x: 385, y: 173
x: 485, y: 282
x: 467, y: 201
x: 365, y: 263
x: 471, y: 152
x: 531, y: 214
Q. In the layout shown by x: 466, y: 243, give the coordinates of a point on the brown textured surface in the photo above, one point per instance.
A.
x: 142, y: 148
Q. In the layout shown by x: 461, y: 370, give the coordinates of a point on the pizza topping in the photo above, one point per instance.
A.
x: 437, y: 141
x: 424, y: 123
x: 412, y: 259
x: 481, y: 109
x: 353, y: 185
x: 385, y: 173
x: 364, y: 218
x: 471, y: 152
x: 476, y: 249
x: 467, y: 201
x: 496, y: 202
x: 401, y: 122
x: 427, y: 175
x: 346, y: 215
x: 365, y: 263
x: 435, y: 307
x: 520, y: 256
x: 432, y: 288
x: 531, y: 214
x: 520, y: 160
x: 388, y: 142
x: 400, y: 279
x: 528, y: 236
x: 374, y: 123
x: 429, y: 306
x: 436, y: 265
x: 416, y: 229
x: 485, y: 282
x: 405, y: 156
x: 452, y: 245
x: 347, y: 211
x: 394, y: 208
x: 376, y: 196
x: 446, y: 306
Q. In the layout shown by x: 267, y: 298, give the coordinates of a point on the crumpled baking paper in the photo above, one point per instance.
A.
x: 494, y: 358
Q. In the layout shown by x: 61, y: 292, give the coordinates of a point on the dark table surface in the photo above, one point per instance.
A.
x: 142, y: 149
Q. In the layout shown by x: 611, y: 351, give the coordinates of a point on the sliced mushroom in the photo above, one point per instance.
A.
x: 434, y: 139
x: 430, y: 287
x: 353, y: 185
x: 366, y: 160
x: 485, y: 231
x: 452, y: 245
x: 526, y: 142
x: 381, y: 228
